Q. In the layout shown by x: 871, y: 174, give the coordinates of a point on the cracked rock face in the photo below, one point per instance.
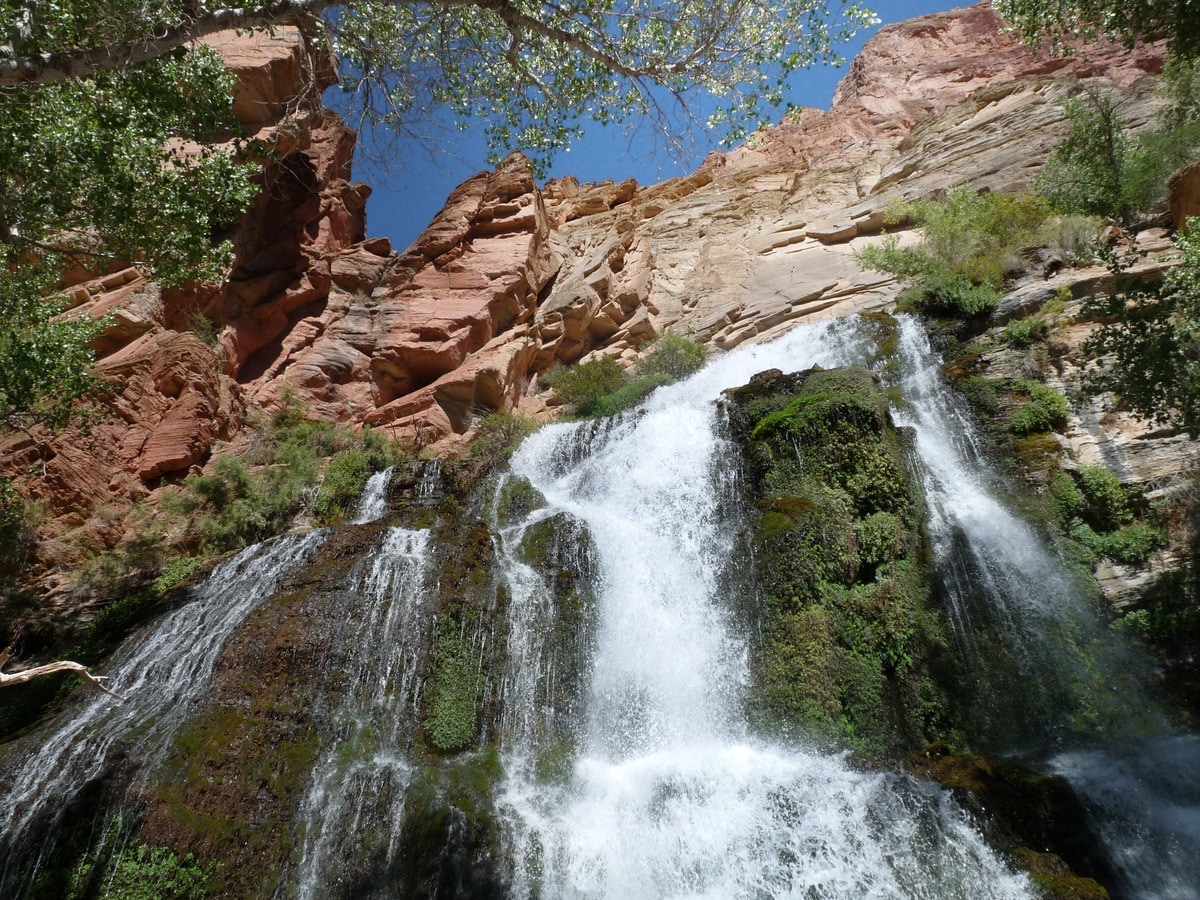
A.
x: 512, y: 278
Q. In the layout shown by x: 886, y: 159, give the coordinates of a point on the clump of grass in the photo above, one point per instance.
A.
x: 600, y: 387
x: 970, y: 244
x: 1047, y: 410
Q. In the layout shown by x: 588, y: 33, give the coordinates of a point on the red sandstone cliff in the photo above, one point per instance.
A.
x: 510, y: 278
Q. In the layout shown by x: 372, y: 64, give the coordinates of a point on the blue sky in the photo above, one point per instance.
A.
x: 406, y: 196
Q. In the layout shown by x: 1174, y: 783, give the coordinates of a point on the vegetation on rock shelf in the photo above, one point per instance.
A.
x: 255, y: 496
x: 853, y: 648
x: 498, y: 435
x: 600, y: 387
x: 1101, y: 168
x: 451, y: 712
x: 145, y: 873
x: 970, y: 243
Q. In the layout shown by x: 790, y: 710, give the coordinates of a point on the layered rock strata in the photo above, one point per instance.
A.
x: 512, y: 278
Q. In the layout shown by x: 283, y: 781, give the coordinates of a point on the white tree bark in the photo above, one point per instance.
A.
x: 61, y: 666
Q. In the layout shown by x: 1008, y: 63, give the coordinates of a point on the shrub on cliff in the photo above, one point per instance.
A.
x: 1102, y: 168
x: 672, y: 358
x: 253, y: 497
x: 1147, y: 347
x: 1047, y: 410
x: 600, y: 387
x: 970, y: 243
x: 587, y: 382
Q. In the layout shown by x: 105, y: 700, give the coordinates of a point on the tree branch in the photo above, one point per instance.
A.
x: 49, y: 669
x: 65, y: 65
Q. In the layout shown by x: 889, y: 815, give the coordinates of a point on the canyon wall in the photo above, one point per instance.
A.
x: 512, y: 278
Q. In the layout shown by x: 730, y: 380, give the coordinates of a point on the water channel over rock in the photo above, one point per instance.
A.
x: 544, y: 688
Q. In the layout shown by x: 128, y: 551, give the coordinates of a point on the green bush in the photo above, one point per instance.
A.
x: 1047, y: 410
x: 1075, y: 237
x: 944, y: 292
x: 499, y: 435
x: 586, y: 382
x: 1023, y: 332
x: 672, y: 358
x: 601, y: 387
x: 345, y: 477
x: 979, y: 235
x: 1065, y: 498
x: 242, y: 505
x: 1132, y: 545
x: 151, y: 874
x: 622, y: 399
x: 970, y: 242
x: 178, y: 571
x: 1105, y: 500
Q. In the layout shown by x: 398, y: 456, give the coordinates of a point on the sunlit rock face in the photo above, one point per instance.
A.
x: 763, y: 236
x: 512, y: 278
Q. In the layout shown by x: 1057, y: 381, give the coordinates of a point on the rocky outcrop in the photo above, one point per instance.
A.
x: 764, y: 236
x: 1185, y: 195
x: 511, y: 279
x: 913, y: 70
x: 409, y: 341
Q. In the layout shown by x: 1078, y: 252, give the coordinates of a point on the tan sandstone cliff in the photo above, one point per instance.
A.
x: 512, y: 278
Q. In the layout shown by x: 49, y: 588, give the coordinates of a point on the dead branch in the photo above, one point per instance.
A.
x: 48, y: 669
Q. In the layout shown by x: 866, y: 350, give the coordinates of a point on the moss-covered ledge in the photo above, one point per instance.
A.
x: 854, y: 650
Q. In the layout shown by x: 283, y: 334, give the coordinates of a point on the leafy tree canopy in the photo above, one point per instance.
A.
x: 531, y: 70
x: 1059, y: 22
x: 1148, y: 342
x: 94, y: 170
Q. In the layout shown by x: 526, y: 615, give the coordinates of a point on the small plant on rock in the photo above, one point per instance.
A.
x: 970, y: 243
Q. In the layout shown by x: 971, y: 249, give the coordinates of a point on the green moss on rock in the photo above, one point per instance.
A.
x: 853, y: 648
x: 452, y: 711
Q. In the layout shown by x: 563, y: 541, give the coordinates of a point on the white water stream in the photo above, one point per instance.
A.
x: 373, y: 503
x: 669, y: 795
x: 161, y: 673
x: 658, y: 789
x: 356, y: 793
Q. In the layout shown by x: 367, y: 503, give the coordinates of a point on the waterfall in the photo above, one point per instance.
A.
x: 1070, y: 680
x: 622, y: 611
x: 358, y: 784
x: 1017, y: 612
x: 1145, y: 804
x: 668, y: 793
x: 161, y: 673
x: 373, y: 503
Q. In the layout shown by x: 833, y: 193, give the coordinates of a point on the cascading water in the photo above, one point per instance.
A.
x: 628, y: 767
x: 161, y: 673
x: 1144, y: 801
x: 1043, y: 658
x: 1140, y: 791
x: 358, y: 784
x: 373, y: 503
x: 669, y: 794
